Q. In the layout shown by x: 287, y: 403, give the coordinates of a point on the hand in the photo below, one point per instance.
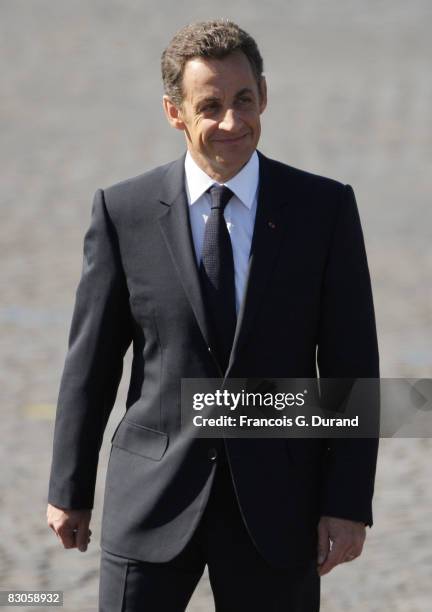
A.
x: 347, y: 539
x: 70, y: 526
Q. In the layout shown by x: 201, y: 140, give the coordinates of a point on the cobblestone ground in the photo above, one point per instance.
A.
x: 350, y: 95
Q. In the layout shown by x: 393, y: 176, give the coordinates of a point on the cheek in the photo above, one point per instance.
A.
x: 252, y: 119
x: 207, y: 129
x: 255, y: 125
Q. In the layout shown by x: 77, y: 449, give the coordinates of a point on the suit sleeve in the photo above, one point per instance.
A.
x: 348, y: 348
x: 99, y: 336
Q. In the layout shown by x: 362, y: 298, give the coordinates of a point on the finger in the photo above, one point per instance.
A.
x: 358, y: 548
x: 82, y: 538
x: 354, y: 548
x: 67, y: 536
x: 323, y: 543
x: 352, y: 553
x: 336, y: 556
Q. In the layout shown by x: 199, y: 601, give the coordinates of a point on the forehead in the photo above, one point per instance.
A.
x: 214, y: 76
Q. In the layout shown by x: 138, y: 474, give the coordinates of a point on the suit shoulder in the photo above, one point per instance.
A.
x: 137, y: 196
x: 306, y: 179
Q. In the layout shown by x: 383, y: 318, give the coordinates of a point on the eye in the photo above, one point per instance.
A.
x: 210, y: 107
x: 244, y: 101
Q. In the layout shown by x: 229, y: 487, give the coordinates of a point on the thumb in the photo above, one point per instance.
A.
x: 323, y: 543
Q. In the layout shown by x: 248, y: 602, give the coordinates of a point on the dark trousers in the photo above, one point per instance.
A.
x: 239, y: 577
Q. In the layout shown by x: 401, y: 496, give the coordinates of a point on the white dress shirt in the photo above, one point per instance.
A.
x: 239, y: 213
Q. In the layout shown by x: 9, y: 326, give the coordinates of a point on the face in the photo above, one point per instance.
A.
x: 220, y: 113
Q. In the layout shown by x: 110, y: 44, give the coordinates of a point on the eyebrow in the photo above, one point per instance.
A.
x: 243, y: 91
x: 208, y: 99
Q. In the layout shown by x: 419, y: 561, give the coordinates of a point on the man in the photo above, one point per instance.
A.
x: 223, y: 263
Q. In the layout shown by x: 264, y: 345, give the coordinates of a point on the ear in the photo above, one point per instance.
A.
x: 172, y: 113
x: 263, y: 94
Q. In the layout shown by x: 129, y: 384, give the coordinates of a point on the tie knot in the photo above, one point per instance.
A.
x: 220, y: 196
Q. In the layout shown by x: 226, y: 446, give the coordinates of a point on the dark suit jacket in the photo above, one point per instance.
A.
x: 308, y: 303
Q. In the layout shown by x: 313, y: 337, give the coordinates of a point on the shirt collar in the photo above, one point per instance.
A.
x: 244, y: 184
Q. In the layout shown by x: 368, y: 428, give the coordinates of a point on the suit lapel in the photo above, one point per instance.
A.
x: 266, y: 239
x: 176, y: 230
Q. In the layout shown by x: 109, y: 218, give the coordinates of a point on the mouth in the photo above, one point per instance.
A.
x: 231, y: 140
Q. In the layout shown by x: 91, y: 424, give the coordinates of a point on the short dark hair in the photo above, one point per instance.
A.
x: 216, y: 38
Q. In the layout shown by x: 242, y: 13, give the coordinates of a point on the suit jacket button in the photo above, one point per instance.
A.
x: 212, y: 454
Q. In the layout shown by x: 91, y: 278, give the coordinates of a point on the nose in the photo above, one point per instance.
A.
x: 229, y: 121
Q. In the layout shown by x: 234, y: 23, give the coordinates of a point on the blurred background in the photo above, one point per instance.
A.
x: 350, y: 90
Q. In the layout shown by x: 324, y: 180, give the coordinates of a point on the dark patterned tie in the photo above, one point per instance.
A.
x: 217, y: 275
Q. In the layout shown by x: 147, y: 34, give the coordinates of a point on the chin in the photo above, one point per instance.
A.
x: 228, y: 158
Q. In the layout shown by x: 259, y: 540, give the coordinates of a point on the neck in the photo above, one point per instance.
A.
x: 217, y: 173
